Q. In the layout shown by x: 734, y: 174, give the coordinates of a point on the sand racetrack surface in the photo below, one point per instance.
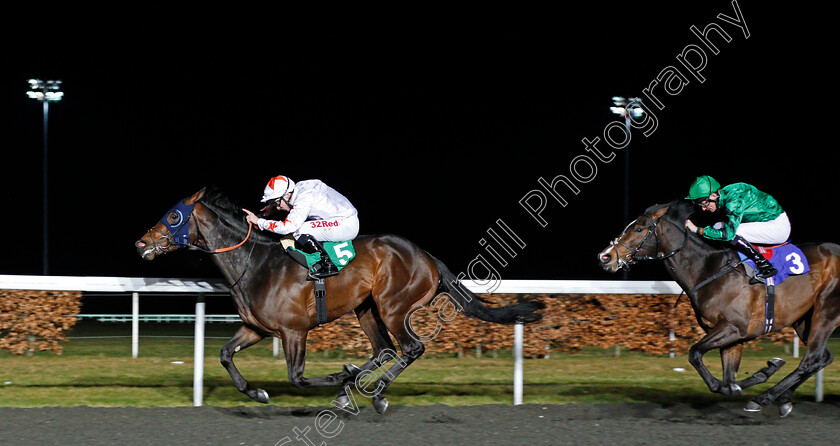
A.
x: 531, y: 424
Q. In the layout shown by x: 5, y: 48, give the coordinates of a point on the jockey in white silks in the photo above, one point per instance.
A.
x: 316, y: 213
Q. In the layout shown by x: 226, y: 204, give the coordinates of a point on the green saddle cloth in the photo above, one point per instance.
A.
x: 340, y: 253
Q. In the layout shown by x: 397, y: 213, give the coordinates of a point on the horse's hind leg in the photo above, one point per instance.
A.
x: 824, y: 318
x: 802, y: 328
x: 411, y: 350
x: 244, y: 338
x: 377, y: 333
x: 816, y: 358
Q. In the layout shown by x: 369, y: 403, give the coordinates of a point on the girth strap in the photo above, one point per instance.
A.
x: 320, y: 302
x: 320, y: 288
x: 769, y: 306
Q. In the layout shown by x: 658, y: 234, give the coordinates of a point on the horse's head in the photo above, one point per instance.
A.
x: 173, y: 231
x: 640, y: 240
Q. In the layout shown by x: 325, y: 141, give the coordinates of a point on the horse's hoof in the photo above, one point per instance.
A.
x: 342, y: 402
x: 776, y: 362
x: 752, y: 406
x: 260, y: 396
x: 785, y: 409
x: 352, y: 369
x: 380, y: 404
x: 735, y: 390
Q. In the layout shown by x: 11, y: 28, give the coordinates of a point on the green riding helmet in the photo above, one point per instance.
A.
x: 702, y: 187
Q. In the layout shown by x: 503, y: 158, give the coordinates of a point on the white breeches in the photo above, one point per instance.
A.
x: 773, y: 232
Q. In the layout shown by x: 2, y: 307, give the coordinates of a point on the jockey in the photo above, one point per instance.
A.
x: 316, y: 213
x: 752, y: 216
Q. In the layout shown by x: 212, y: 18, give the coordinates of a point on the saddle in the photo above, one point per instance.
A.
x: 340, y: 253
x: 788, y: 260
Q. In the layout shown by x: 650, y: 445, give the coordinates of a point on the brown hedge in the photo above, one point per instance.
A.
x: 36, y: 320
x: 570, y: 322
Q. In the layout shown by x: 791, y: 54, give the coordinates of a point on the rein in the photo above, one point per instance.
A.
x: 722, y: 271
x: 229, y: 248
x: 730, y: 266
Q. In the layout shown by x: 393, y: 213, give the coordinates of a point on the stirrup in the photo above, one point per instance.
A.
x: 765, y: 271
x: 321, y: 270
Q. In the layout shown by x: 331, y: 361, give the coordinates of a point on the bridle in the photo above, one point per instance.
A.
x: 179, y: 230
x: 157, y: 246
x: 633, y: 257
x: 179, y: 233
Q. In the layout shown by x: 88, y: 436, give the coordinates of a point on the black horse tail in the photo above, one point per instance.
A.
x: 525, y: 310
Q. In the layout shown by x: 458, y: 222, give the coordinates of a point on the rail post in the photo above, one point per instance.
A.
x: 198, y: 354
x: 518, y: 334
x: 818, y: 389
x: 135, y: 324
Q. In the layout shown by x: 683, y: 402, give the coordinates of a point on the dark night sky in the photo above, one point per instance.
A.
x: 434, y: 129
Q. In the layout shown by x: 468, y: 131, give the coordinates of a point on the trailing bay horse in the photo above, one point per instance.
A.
x: 388, y: 278
x: 728, y: 307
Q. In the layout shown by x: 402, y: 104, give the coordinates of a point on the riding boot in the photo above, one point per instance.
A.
x: 324, y: 267
x: 763, y: 267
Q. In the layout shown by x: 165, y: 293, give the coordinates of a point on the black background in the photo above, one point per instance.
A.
x: 434, y: 124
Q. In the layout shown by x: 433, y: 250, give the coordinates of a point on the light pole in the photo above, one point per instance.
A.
x: 627, y: 108
x: 45, y: 92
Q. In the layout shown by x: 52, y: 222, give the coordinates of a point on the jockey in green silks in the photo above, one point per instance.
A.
x: 752, y: 216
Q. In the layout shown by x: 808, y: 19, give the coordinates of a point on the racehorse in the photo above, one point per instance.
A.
x: 388, y: 278
x: 728, y: 307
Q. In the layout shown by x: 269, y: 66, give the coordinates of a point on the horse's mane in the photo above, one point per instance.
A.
x: 678, y: 210
x: 681, y: 210
x: 233, y: 217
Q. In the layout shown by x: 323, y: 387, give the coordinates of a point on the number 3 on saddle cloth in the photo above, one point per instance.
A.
x: 340, y: 253
x: 788, y: 261
x: 786, y: 258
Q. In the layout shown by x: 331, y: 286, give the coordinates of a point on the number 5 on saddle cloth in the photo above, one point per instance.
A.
x: 340, y: 253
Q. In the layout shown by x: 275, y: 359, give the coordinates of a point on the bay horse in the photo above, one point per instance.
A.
x: 388, y: 279
x: 728, y: 307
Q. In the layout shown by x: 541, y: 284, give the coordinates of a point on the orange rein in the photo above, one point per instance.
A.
x: 231, y: 248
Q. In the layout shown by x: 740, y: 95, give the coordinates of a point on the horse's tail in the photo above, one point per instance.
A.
x: 525, y: 310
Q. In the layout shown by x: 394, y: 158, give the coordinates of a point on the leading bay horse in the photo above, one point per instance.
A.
x: 728, y: 307
x: 388, y: 278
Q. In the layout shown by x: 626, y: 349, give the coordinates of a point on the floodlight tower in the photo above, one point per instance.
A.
x: 45, y: 92
x: 627, y: 108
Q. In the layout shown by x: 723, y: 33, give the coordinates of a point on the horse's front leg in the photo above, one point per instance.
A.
x: 722, y: 335
x: 294, y: 347
x: 243, y: 338
x: 731, y: 361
